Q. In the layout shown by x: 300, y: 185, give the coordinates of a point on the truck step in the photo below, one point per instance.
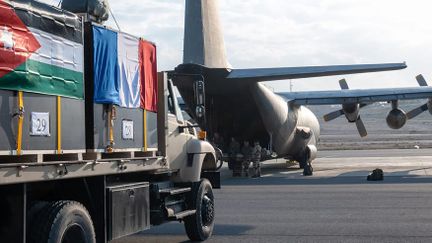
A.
x: 184, y: 214
x: 174, y: 191
x: 172, y: 203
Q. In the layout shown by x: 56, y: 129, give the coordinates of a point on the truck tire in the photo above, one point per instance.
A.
x: 61, y: 222
x: 199, y: 227
x: 34, y: 211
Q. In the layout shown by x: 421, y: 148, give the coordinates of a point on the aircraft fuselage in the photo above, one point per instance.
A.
x: 249, y: 112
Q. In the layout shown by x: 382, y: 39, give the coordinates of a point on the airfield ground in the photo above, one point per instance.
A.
x: 335, y: 205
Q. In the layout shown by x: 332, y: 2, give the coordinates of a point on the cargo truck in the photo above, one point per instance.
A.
x: 76, y: 169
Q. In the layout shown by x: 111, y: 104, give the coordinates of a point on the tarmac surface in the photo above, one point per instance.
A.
x: 337, y: 204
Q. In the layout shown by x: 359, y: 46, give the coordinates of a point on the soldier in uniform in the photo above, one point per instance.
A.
x: 218, y: 141
x: 256, y: 159
x: 247, y: 154
x: 234, y: 150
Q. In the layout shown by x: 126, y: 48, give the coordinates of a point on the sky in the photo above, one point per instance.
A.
x: 284, y: 33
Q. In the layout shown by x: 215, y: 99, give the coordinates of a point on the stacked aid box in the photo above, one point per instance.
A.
x: 121, y: 91
x: 46, y: 104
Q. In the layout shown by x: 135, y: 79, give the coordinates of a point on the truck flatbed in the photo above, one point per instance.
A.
x: 14, y: 173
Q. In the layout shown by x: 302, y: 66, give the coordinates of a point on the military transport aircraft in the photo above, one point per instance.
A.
x: 238, y: 105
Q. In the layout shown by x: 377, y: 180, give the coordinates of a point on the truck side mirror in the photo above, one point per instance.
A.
x: 199, y: 93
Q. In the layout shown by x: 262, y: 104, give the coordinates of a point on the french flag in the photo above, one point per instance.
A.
x: 125, y: 70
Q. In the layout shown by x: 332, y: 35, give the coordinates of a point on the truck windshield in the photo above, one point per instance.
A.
x: 173, y: 105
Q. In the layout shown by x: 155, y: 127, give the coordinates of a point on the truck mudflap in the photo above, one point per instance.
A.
x: 213, y: 177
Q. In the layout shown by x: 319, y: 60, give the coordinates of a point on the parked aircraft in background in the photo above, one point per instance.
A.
x: 238, y: 105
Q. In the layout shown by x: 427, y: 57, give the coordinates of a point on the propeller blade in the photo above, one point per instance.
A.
x: 421, y: 80
x: 417, y: 111
x: 333, y: 115
x: 343, y: 84
x: 361, y: 127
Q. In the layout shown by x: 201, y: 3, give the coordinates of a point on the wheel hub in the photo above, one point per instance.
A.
x: 207, y: 210
x: 74, y: 234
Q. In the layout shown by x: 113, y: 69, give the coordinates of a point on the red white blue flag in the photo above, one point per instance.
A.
x: 125, y: 70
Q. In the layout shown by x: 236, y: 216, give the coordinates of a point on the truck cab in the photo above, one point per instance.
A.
x: 183, y: 143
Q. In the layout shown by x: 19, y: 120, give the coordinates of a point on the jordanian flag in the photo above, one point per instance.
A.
x: 41, y: 49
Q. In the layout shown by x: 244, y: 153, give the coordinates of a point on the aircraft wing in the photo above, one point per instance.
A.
x: 271, y: 74
x: 361, y: 96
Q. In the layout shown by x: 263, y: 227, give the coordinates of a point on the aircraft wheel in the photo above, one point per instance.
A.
x: 199, y: 227
x: 302, y: 165
x: 308, y: 170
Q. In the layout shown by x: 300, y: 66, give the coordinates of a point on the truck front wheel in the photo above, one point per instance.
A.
x: 199, y: 227
x: 61, y: 222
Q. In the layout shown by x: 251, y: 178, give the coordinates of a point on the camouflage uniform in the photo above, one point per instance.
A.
x: 247, y: 155
x: 256, y: 159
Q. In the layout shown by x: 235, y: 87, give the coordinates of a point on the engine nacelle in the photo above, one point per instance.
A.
x: 351, y: 111
x: 396, y: 119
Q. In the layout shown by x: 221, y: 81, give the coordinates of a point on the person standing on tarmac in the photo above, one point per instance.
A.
x: 247, y: 154
x: 234, y: 150
x: 256, y: 159
x: 218, y: 141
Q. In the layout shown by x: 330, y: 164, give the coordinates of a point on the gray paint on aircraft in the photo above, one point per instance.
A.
x: 204, y: 43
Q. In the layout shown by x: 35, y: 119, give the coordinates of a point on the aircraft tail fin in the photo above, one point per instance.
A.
x: 203, y: 40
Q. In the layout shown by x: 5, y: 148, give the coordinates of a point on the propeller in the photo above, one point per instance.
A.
x: 421, y: 80
x: 419, y: 110
x: 361, y: 127
x: 343, y: 84
x: 335, y: 114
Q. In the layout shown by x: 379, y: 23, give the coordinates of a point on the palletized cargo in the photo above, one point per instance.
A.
x: 41, y: 80
x: 48, y: 72
x: 117, y: 116
x: 97, y: 160
x: 128, y: 130
x: 40, y: 129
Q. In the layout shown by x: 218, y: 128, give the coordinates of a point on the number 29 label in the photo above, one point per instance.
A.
x: 40, y: 124
x: 128, y: 130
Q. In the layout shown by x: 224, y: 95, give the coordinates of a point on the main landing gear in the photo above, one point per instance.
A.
x: 308, y: 169
x: 306, y: 165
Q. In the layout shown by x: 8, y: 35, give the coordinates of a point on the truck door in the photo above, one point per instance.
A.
x: 176, y: 142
